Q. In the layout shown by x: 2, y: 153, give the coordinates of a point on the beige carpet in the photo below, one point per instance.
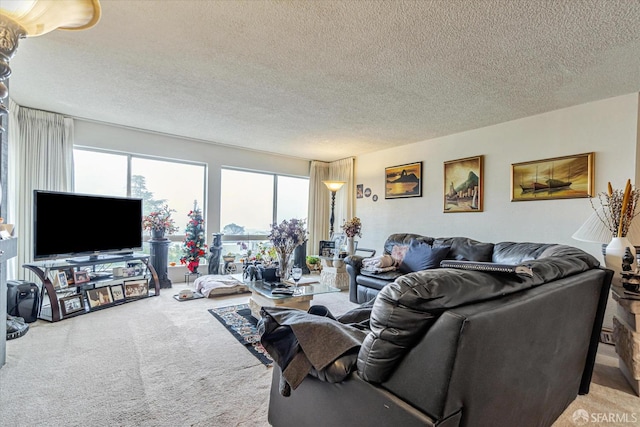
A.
x: 160, y: 362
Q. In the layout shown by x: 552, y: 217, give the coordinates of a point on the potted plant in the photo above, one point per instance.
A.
x: 159, y: 222
x: 313, y: 263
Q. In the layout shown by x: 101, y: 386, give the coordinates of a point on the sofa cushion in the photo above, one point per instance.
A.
x: 404, y: 310
x: 465, y: 249
x: 516, y: 253
x: 421, y: 256
x: 387, y: 275
x: 403, y: 239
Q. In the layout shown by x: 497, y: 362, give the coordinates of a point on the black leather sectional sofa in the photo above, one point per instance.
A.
x: 452, y: 347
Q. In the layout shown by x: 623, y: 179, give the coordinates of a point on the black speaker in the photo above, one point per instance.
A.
x: 23, y: 300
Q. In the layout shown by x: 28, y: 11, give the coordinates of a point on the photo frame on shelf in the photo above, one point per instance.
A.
x: 403, y: 181
x: 463, y: 185
x: 566, y: 177
x: 136, y: 288
x: 71, y: 304
x: 80, y: 276
x: 60, y: 280
x: 99, y: 297
x: 117, y: 292
x: 68, y: 271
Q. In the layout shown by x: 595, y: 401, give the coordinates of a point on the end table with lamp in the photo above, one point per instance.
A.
x: 626, y: 327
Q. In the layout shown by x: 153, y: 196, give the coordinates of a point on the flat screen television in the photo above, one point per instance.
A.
x: 69, y: 225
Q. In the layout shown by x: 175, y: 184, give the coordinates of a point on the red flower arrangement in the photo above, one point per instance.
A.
x: 194, y: 242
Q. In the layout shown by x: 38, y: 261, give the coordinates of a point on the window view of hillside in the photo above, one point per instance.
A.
x: 251, y: 201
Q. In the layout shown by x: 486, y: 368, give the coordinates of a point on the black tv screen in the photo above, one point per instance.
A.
x: 72, y: 225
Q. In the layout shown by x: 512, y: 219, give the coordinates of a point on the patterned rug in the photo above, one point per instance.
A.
x: 242, y: 325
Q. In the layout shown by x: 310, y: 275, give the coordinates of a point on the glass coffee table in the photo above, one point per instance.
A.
x: 261, y: 295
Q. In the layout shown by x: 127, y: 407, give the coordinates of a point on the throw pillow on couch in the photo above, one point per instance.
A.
x: 421, y: 256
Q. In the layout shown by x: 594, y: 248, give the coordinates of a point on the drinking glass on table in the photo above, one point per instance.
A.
x: 296, y: 275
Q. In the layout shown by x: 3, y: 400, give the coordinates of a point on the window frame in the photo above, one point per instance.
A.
x: 274, y: 211
x: 177, y: 237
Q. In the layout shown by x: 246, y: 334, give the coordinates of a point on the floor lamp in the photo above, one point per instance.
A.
x: 19, y: 19
x: 333, y: 186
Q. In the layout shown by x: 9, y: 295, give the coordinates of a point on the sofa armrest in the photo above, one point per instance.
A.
x: 355, y: 261
x: 353, y: 264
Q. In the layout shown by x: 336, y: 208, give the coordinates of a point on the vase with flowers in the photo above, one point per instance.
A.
x: 159, y: 222
x: 352, y: 228
x: 194, y: 245
x: 285, y: 237
x: 617, y: 210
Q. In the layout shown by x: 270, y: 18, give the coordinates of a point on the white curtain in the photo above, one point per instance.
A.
x: 320, y: 199
x: 318, y: 206
x: 40, y: 158
x: 342, y: 170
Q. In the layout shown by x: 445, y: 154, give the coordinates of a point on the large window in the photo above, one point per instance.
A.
x: 251, y: 201
x: 156, y: 181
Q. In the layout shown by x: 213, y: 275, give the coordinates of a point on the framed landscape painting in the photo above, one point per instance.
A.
x: 565, y: 177
x: 463, y: 185
x: 403, y: 181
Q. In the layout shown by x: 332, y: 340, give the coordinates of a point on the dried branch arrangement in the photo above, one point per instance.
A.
x: 618, y: 208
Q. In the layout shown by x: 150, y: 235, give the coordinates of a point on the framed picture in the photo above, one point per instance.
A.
x: 69, y: 273
x: 359, y: 191
x: 80, y: 276
x: 136, y: 288
x: 403, y: 181
x: 326, y: 248
x: 565, y: 177
x: 71, y: 304
x: 463, y: 185
x: 117, y: 292
x: 99, y: 297
x: 61, y: 280
x: 340, y: 244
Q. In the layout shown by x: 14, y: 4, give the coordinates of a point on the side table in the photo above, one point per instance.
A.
x: 626, y: 335
x: 334, y: 273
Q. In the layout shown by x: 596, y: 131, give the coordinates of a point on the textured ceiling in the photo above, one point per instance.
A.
x: 329, y: 79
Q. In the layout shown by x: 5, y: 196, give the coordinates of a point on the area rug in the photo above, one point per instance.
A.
x: 242, y: 325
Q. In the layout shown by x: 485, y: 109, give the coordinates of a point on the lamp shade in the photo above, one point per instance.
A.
x: 334, y: 185
x: 37, y: 17
x: 594, y: 230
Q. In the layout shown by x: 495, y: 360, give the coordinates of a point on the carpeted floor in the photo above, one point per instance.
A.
x: 159, y: 362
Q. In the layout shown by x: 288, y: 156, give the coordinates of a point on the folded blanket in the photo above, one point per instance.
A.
x: 218, y: 284
x: 381, y: 261
x: 379, y: 269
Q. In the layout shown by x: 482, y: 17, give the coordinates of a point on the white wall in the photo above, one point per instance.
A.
x: 607, y: 127
x: 97, y: 135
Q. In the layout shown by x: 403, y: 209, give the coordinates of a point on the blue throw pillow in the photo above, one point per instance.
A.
x: 421, y: 256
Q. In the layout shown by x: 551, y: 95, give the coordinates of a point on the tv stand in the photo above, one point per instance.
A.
x: 96, y: 258
x: 42, y: 269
